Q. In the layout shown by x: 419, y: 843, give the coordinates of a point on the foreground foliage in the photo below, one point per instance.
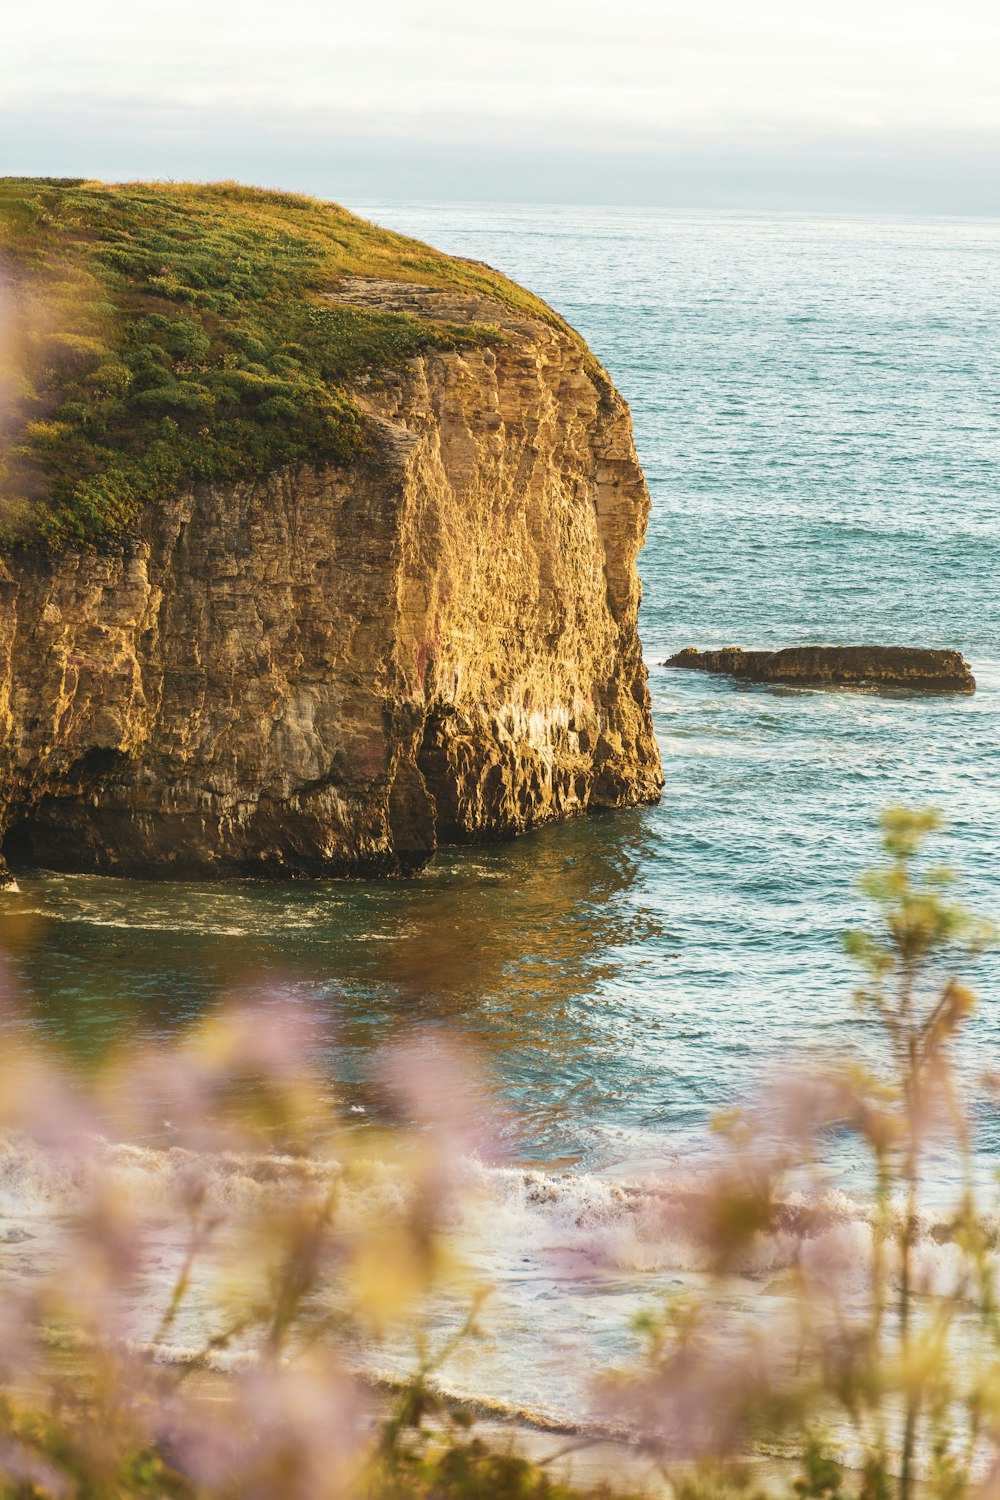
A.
x: 865, y: 1371
x: 875, y: 1365
x: 155, y: 334
x: 183, y: 1317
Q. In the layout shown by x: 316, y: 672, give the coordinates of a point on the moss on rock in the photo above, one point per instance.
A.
x: 153, y: 335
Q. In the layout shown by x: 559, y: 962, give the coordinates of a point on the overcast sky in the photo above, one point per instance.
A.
x: 765, y: 104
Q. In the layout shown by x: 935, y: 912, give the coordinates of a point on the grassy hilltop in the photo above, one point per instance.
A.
x: 155, y: 334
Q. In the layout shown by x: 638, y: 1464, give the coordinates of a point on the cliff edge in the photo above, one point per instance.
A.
x: 323, y: 657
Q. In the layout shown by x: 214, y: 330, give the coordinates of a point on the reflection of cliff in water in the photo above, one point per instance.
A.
x: 515, y: 947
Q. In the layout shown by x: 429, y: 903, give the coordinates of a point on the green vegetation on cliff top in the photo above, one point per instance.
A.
x: 153, y: 335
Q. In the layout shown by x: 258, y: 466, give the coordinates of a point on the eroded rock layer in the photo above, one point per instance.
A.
x: 326, y: 671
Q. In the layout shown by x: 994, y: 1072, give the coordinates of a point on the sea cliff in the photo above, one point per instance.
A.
x: 328, y: 663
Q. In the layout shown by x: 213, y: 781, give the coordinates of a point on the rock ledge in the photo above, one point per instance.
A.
x: 873, y: 667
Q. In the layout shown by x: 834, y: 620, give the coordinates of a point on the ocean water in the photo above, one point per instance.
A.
x: 817, y: 406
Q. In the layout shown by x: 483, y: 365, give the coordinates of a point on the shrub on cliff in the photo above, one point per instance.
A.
x: 152, y: 335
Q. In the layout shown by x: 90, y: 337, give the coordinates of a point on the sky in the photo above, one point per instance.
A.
x: 768, y: 104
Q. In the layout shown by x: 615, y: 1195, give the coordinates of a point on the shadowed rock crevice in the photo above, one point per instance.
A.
x: 487, y: 783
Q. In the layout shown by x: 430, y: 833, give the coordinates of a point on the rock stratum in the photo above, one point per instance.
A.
x: 328, y: 667
x: 889, y: 668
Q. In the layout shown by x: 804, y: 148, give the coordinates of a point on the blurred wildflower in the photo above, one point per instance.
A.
x: 861, y: 1334
x: 240, y: 1200
x: 216, y: 1170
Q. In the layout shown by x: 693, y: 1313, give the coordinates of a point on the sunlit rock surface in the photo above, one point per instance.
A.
x: 327, y: 671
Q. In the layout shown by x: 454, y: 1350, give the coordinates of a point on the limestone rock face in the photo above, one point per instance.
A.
x: 325, y: 672
x: 887, y: 667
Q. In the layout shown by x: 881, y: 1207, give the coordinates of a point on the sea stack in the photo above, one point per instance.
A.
x: 320, y: 547
x: 890, y: 668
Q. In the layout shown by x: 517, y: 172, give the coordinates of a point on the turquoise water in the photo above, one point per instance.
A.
x: 816, y: 406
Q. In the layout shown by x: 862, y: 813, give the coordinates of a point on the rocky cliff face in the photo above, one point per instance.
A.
x: 327, y: 671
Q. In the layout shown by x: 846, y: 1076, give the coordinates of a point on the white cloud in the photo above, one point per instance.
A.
x: 558, y: 75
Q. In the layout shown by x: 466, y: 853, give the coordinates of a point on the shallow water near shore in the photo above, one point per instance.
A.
x: 816, y: 406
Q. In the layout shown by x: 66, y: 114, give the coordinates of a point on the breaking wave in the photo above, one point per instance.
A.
x: 573, y: 1223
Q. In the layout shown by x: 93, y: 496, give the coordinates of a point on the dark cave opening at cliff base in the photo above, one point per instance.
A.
x: 58, y: 830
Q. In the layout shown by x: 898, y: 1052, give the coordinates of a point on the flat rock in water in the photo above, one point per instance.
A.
x: 879, y: 667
